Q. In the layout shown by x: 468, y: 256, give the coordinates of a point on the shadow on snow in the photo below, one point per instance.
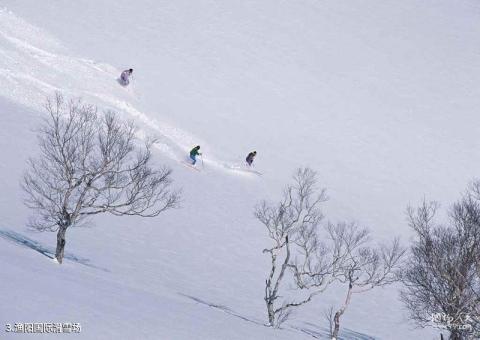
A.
x: 224, y: 309
x: 49, y: 252
x: 322, y: 332
x: 308, y: 328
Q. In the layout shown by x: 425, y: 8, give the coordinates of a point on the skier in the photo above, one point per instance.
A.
x: 250, y: 157
x: 125, y: 75
x: 194, y: 153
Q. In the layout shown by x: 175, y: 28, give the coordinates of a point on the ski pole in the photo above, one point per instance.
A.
x: 201, y: 157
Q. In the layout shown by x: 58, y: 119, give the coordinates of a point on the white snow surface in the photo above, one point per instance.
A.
x: 380, y: 97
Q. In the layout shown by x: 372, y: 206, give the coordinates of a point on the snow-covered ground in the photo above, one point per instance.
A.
x: 380, y: 97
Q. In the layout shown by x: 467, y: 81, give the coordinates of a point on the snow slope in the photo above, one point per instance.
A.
x: 380, y: 97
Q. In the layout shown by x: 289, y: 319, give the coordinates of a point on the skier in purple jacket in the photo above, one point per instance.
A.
x: 125, y: 75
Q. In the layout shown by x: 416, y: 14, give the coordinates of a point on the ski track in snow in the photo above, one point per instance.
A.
x: 34, y: 65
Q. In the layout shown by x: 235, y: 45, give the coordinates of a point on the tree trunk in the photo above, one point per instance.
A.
x: 455, y: 335
x: 336, y: 321
x: 271, y: 294
x: 269, y: 298
x: 339, y: 313
x: 271, y: 314
x: 60, y: 243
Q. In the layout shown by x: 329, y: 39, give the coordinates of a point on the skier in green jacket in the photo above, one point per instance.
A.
x: 194, y: 153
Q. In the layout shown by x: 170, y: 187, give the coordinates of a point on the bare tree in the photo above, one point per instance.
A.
x: 294, y: 218
x: 362, y: 266
x: 314, y: 256
x: 91, y: 164
x: 442, y: 284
